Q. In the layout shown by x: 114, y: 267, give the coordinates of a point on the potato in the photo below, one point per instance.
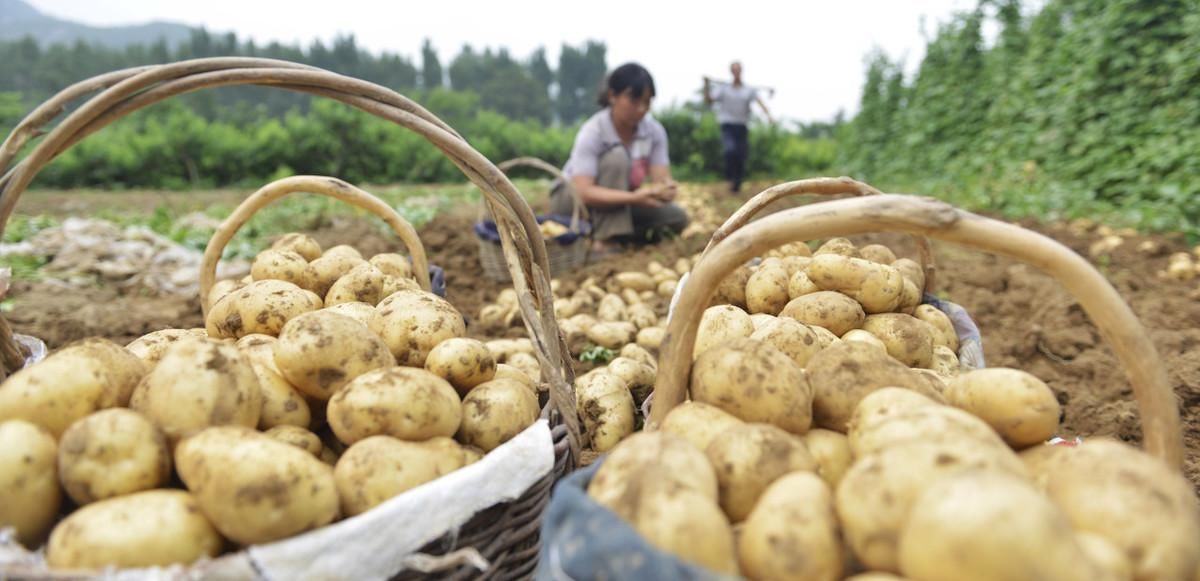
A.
x: 406, y: 403
x: 327, y: 269
x: 151, y: 346
x: 495, y: 412
x: 681, y: 521
x: 526, y: 363
x: 910, y: 298
x: 875, y: 496
x: 835, y: 311
x: 465, y: 363
x: 912, y: 271
x: 682, y: 265
x: 877, y: 253
x: 698, y: 423
x: 906, y: 338
x: 611, y: 335
x: 320, y: 352
x: 719, y: 325
x: 395, y: 284
x: 378, y: 468
x: 565, y: 308
x: 127, y: 368
x: 944, y: 333
x: 217, y: 382
x: 651, y: 338
x: 877, y: 287
x: 28, y: 480
x: 841, y: 375
x: 363, y: 284
x: 222, y: 288
x: 882, y: 405
x: 799, y: 285
x: 824, y: 336
x: 636, y: 375
x: 945, y: 363
x: 612, y: 308
x: 864, y: 337
x: 666, y: 288
x: 301, y: 244
x: 875, y: 576
x: 641, y: 315
x: 110, y: 453
x: 259, y: 349
x: 792, y: 532
x: 607, y: 408
x: 793, y: 339
x: 343, y: 250
x: 748, y: 458
x: 286, y: 265
x: 796, y: 264
x: 1011, y: 533
x: 798, y: 248
x: 732, y: 289
x: 392, y: 264
x: 1015, y: 403
x: 838, y: 246
x: 831, y: 451
x: 260, y: 307
x: 412, y: 323
x: 505, y: 371
x: 298, y: 437
x: 922, y: 423
x: 155, y: 528
x: 767, y: 289
x: 638, y: 281
x: 253, y: 488
x: 655, y: 456
x: 1106, y: 556
x: 359, y: 311
x: 755, y: 382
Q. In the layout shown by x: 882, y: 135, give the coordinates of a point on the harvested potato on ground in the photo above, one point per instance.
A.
x: 403, y: 402
x: 877, y: 253
x: 799, y: 285
x: 612, y: 308
x: 526, y: 363
x: 110, y: 453
x: 638, y: 281
x: 412, y: 323
x: 222, y: 288
x: 324, y: 271
x: 877, y: 287
x: 944, y: 334
x: 864, y: 337
x: 505, y: 371
x: 656, y: 456
x: 565, y: 308
x: 922, y: 423
x: 286, y: 265
x: 651, y: 338
x: 359, y: 311
x: 217, y: 382
x: 842, y: 374
x: 642, y: 316
x: 839, y: 246
x: 253, y: 488
x: 1016, y: 404
x: 748, y: 458
x: 322, y: 351
x: 151, y: 346
x: 755, y: 382
x: 463, y: 362
x: 611, y: 335
x: 1011, y: 533
x: 298, y: 437
x: 945, y: 362
x: 607, y: 408
x: 495, y: 412
x: 792, y: 532
x: 155, y: 528
x: 392, y: 264
x: 912, y: 271
x: 831, y: 451
x: 719, y: 325
x: 767, y: 289
x: 638, y: 353
x: 28, y: 481
x: 698, y: 423
x: 906, y: 338
x: 301, y: 244
x: 795, y: 340
x: 380, y: 467
x: 636, y: 375
x: 262, y: 306
x: 666, y: 288
x: 364, y: 284
x: 732, y: 290
x: 832, y: 310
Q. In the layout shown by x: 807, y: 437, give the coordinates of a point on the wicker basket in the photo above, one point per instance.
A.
x: 505, y: 534
x: 566, y: 253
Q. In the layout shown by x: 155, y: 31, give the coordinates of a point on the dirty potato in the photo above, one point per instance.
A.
x: 321, y: 351
x: 110, y: 453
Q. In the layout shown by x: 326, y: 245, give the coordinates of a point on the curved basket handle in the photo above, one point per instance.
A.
x: 578, y: 212
x: 1159, y: 412
x: 324, y: 186
x: 823, y: 187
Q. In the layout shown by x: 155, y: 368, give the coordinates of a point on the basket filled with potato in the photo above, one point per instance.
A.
x: 331, y: 420
x: 857, y: 465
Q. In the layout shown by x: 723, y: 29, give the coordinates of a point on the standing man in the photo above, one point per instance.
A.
x: 733, y: 113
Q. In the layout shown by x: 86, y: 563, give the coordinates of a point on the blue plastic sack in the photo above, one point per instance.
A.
x: 970, y: 342
x: 583, y: 540
x: 486, y: 230
x: 437, y: 280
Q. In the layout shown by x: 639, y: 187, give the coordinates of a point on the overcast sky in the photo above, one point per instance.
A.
x: 811, y: 52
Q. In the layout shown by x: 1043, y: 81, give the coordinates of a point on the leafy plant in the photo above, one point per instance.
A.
x: 596, y: 353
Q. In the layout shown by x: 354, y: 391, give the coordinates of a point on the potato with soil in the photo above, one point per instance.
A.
x: 639, y: 354
x: 465, y: 363
x: 262, y: 306
x: 611, y: 334
x: 911, y: 271
x: 285, y: 265
x: 222, y: 288
x: 392, y: 264
x: 837, y: 246
x: 831, y: 451
x: 378, y: 468
x: 320, y: 352
x: 155, y: 528
x: 361, y: 312
x: 944, y: 333
x: 698, y: 423
x: 719, y: 325
x: 864, y: 337
x: 842, y: 374
x: 253, y: 488
x: 832, y: 310
x: 111, y: 453
x: 611, y: 308
x: 641, y: 315
x: 327, y: 269
x: 794, y: 339
x: 748, y: 458
x: 364, y: 284
x: 877, y: 287
x: 882, y: 405
x: 215, y: 380
x: 28, y: 481
x: 151, y: 346
x: 298, y: 437
x: 732, y: 289
x: 607, y: 408
x: 799, y: 285
x: 637, y: 376
x: 412, y: 323
x: 282, y: 404
x: 767, y: 289
x: 945, y: 363
x: 638, y: 281
x: 406, y: 403
x: 793, y: 532
x: 908, y: 339
x: 656, y: 456
x: 527, y: 363
x: 923, y: 423
x: 301, y: 244
x: 682, y: 522
x: 756, y: 383
x: 910, y: 298
x: 651, y: 338
x: 495, y: 412
x: 877, y: 253
x: 1016, y: 404
x: 506, y: 371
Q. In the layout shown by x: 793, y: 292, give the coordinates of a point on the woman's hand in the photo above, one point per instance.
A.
x: 647, y: 198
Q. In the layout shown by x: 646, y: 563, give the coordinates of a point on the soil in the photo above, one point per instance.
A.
x: 1028, y: 321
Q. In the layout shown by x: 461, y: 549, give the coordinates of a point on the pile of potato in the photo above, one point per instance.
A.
x: 323, y: 385
x: 830, y: 433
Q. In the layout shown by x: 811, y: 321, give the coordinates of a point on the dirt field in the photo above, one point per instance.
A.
x: 1027, y: 320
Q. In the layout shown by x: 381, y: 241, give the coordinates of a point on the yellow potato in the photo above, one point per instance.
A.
x: 527, y: 363
x: 298, y: 437
x: 756, y: 383
x: 395, y: 284
x: 607, y: 408
x: 286, y: 265
x: 666, y: 288
x: 732, y: 290
x: 222, y: 288
x: 911, y: 271
x: 945, y: 362
x: 795, y: 340
x: 698, y: 423
x: 1106, y: 556
x: 495, y: 412
x: 301, y: 244
x: 363, y: 284
x: 792, y: 532
x: 831, y: 451
x: 638, y: 281
x: 412, y: 323
x: 842, y: 374
x: 259, y: 307
x: 864, y: 337
x: 1016, y: 404
x: 505, y: 371
x: 882, y: 405
x: 465, y: 363
x: 392, y: 264
x: 406, y: 403
x: 322, y: 272
x: 767, y: 289
x: 28, y: 481
x: 359, y: 311
x: 877, y: 253
x: 922, y: 423
x: 656, y: 456
x: 910, y: 298
x: 839, y: 246
x: 612, y: 308
x: 639, y: 354
x: 155, y: 528
x: 611, y: 334
x: 651, y: 338
x: 681, y: 521
x: 641, y: 315
x: 944, y: 330
x: 636, y: 375
x: 343, y: 250
x: 565, y: 308
x: 111, y: 453
x: 719, y: 325
x: 322, y: 351
x: 835, y: 311
x: 259, y: 349
x: 799, y: 285
x: 877, y: 287
x: 748, y: 458
x: 906, y: 338
x: 151, y: 346
x: 378, y: 468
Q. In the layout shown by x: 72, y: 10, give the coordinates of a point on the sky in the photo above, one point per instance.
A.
x: 811, y: 52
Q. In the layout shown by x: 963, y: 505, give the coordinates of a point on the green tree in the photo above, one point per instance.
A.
x: 431, y: 67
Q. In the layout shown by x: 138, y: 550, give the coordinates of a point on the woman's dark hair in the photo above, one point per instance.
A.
x: 630, y: 77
